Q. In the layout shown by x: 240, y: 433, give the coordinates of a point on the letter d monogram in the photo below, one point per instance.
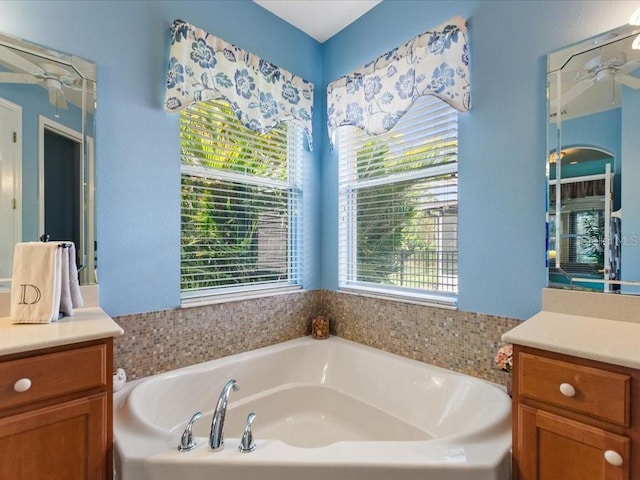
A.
x: 33, y: 298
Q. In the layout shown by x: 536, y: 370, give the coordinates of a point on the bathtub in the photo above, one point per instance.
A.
x: 325, y: 409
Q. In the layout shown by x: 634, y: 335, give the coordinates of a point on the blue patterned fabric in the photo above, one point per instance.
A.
x: 203, y: 67
x: 376, y: 96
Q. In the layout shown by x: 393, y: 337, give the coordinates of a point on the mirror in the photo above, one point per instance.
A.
x: 593, y: 164
x: 47, y: 184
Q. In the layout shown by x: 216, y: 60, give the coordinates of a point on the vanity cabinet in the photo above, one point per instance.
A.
x: 574, y: 419
x: 56, y: 413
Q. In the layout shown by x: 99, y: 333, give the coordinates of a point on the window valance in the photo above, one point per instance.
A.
x: 377, y: 95
x: 203, y: 67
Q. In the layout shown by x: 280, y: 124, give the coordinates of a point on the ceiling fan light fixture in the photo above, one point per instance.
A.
x: 603, y: 74
x: 53, y: 83
x: 634, y: 19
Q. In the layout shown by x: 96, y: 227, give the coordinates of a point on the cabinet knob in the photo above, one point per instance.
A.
x: 22, y: 385
x: 613, y: 457
x: 567, y: 389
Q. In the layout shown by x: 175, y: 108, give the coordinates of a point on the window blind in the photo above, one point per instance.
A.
x: 399, y: 204
x: 240, y: 199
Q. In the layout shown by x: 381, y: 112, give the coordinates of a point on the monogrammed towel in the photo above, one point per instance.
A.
x: 36, y: 282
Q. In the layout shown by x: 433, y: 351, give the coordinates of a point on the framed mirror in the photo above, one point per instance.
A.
x: 593, y: 164
x: 47, y: 156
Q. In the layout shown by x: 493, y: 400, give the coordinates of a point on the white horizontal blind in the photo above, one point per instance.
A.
x: 399, y: 204
x: 240, y: 200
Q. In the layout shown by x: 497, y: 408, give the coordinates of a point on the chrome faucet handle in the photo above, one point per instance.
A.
x: 187, y: 442
x: 246, y: 444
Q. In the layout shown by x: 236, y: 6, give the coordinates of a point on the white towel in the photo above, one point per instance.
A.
x: 66, y: 306
x: 74, y: 285
x: 35, y: 282
x: 70, y: 296
x: 44, y: 282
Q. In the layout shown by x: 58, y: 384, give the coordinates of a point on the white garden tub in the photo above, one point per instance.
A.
x: 325, y: 409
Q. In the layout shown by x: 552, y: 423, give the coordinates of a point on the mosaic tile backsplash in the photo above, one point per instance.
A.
x: 461, y: 341
x: 160, y: 341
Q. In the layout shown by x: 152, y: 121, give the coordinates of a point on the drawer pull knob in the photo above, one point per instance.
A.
x: 567, y: 390
x: 614, y: 458
x: 22, y: 385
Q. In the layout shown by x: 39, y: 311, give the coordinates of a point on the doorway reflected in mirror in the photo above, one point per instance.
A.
x: 579, y: 254
x: 44, y: 93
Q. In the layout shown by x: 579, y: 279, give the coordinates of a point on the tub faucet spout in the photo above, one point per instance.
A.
x: 216, y: 440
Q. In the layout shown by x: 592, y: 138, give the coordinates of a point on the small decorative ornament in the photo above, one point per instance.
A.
x: 320, y: 327
x: 119, y: 379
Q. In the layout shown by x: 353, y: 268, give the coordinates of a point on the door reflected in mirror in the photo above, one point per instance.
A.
x: 47, y: 185
x: 593, y: 164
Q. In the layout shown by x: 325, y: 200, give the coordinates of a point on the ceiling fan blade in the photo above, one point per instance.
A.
x: 72, y: 85
x: 629, y: 66
x: 618, y: 61
x: 571, y: 94
x: 56, y: 98
x: 10, y: 77
x: 593, y: 62
x: 628, y: 80
x: 10, y: 57
x: 578, y: 66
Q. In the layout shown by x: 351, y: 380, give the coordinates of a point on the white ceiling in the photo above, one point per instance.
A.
x: 320, y: 19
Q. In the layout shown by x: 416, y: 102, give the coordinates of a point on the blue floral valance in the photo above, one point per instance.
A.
x: 376, y: 96
x: 203, y: 67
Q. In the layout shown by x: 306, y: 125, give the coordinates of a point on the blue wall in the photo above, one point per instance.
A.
x: 137, y: 145
x: 599, y: 130
x: 630, y: 248
x: 502, y: 141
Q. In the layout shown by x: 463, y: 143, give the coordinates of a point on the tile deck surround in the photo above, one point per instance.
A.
x: 155, y: 342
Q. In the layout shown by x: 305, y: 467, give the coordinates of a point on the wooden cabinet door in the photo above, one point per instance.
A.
x: 66, y: 441
x: 551, y: 447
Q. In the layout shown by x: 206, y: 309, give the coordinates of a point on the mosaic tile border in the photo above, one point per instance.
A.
x: 155, y: 342
x: 465, y: 342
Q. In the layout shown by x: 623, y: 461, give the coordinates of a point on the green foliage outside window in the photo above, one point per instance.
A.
x: 591, y: 227
x: 396, y: 231
x: 220, y: 213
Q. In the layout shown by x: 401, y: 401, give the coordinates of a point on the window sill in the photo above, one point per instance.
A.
x: 447, y: 303
x: 240, y: 295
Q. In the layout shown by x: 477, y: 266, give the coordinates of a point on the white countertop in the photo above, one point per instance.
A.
x: 604, y: 340
x: 85, y: 324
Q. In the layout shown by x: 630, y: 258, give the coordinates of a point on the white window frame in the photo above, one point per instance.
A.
x: 293, y: 185
x: 348, y: 188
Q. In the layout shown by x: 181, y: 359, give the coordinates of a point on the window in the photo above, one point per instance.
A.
x: 399, y: 205
x: 583, y: 224
x: 583, y: 244
x: 240, y: 203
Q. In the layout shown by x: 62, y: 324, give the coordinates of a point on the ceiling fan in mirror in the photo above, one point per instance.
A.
x: 55, y: 78
x: 598, y: 70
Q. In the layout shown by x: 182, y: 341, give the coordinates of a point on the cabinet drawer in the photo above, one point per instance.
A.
x: 51, y: 375
x: 583, y: 389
